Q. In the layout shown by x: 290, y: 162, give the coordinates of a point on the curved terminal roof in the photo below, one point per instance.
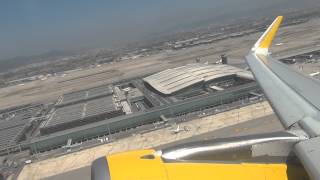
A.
x: 172, y: 80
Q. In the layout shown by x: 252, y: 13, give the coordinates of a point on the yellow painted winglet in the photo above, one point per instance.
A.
x: 264, y: 42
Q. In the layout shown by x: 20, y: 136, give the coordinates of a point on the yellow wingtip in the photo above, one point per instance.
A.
x: 267, y: 39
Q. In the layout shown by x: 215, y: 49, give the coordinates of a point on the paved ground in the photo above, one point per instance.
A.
x: 80, y: 159
x: 269, y: 123
x: 266, y: 124
x: 78, y: 174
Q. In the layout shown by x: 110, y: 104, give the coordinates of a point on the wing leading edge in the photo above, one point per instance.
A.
x: 293, y: 96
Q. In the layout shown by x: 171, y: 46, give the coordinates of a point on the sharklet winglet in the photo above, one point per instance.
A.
x: 264, y: 42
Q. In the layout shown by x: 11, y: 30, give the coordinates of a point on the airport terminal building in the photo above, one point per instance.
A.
x: 172, y: 81
x: 121, y: 107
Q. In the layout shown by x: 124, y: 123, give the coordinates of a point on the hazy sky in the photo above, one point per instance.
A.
x: 36, y: 26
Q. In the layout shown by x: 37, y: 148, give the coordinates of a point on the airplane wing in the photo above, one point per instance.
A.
x: 294, y: 97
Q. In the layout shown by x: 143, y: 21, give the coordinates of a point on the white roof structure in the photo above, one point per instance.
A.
x: 173, y: 80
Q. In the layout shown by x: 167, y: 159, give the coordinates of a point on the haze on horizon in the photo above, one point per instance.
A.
x: 38, y: 26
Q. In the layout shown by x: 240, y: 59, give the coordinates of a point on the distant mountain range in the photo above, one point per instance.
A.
x: 26, y: 60
x: 247, y: 12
